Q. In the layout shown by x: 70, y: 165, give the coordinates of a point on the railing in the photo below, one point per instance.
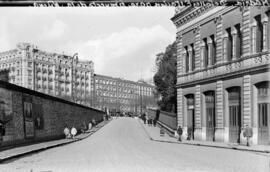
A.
x: 166, y: 118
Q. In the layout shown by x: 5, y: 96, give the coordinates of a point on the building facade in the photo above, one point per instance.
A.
x: 223, y: 72
x: 51, y: 73
x: 120, y: 95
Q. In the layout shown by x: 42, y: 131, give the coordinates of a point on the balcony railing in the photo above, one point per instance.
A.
x: 237, y: 65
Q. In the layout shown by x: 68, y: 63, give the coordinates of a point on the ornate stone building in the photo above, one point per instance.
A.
x: 51, y: 73
x: 223, y: 72
x: 120, y: 95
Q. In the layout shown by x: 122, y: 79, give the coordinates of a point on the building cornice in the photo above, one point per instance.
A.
x: 234, y: 74
x: 217, y: 16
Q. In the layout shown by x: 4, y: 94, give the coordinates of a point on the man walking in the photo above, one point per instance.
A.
x: 179, y: 132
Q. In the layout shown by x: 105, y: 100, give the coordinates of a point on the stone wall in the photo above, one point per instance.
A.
x: 33, y: 116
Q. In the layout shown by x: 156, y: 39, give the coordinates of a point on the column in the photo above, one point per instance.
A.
x: 253, y: 39
x: 189, y: 58
x: 210, y: 51
x: 225, y: 42
x: 202, y: 55
x: 234, y: 35
x: 265, y: 23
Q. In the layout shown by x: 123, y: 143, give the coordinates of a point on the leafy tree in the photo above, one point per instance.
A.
x: 165, y: 79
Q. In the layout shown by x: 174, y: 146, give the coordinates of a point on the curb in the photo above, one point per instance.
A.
x: 52, y: 146
x: 205, y: 145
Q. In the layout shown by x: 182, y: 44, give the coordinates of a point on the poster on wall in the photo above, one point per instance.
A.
x: 5, y: 105
x: 29, y: 129
x: 28, y: 116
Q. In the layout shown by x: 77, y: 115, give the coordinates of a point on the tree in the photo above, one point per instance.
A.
x: 165, y: 79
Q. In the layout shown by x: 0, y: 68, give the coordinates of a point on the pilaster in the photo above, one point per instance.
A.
x: 253, y: 37
x: 265, y: 27
x: 198, y: 125
x: 234, y: 35
x: 210, y: 51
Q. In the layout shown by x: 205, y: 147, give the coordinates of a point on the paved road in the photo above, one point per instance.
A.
x: 123, y: 145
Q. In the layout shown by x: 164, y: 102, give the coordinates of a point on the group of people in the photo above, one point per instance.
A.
x: 71, y: 133
x: 148, y: 120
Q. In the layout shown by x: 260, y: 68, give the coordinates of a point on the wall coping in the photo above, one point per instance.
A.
x: 14, y: 87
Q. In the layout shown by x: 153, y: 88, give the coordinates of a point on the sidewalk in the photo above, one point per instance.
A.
x: 24, y: 150
x: 154, y: 134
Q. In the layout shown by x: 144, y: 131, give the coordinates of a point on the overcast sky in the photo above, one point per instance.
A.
x: 122, y: 42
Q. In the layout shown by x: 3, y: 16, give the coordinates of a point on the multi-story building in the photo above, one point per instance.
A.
x: 120, y: 95
x: 223, y: 72
x: 51, y: 73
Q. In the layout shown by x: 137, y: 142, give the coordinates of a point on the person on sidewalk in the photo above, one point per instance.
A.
x: 90, y: 126
x: 67, y: 132
x: 73, y: 132
x: 179, y: 132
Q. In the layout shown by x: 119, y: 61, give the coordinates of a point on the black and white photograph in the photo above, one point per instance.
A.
x: 135, y: 86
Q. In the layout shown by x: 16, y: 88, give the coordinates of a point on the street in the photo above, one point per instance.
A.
x: 123, y: 145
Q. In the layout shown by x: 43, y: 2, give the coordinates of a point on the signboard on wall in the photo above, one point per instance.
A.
x: 5, y: 104
x: 28, y: 116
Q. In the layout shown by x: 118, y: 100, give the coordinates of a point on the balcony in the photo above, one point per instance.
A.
x: 44, y: 78
x: 38, y: 78
x: 38, y: 70
x: 44, y: 71
x: 238, y: 66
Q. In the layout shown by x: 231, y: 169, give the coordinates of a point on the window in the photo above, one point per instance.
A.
x: 192, y: 57
x: 263, y: 109
x: 268, y: 29
x: 213, y: 51
x: 205, y: 55
x: 259, y: 34
x: 229, y: 44
x: 187, y: 59
x: 238, y: 43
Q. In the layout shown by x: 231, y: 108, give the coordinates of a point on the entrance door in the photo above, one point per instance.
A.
x: 263, y: 114
x: 235, y: 123
x: 190, y: 115
x: 234, y: 115
x: 210, y: 116
x: 191, y: 122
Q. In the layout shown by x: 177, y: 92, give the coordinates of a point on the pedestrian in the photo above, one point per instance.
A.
x: 73, y: 132
x: 90, y: 126
x: 155, y: 122
x: 67, y: 132
x: 93, y: 122
x: 179, y: 132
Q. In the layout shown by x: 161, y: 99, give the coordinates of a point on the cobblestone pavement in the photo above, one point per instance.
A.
x: 123, y: 145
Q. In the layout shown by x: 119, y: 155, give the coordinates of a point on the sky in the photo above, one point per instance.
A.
x: 121, y: 41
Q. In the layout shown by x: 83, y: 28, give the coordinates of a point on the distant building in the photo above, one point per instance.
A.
x: 51, y: 73
x: 223, y: 72
x: 120, y: 95
x: 4, y: 75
